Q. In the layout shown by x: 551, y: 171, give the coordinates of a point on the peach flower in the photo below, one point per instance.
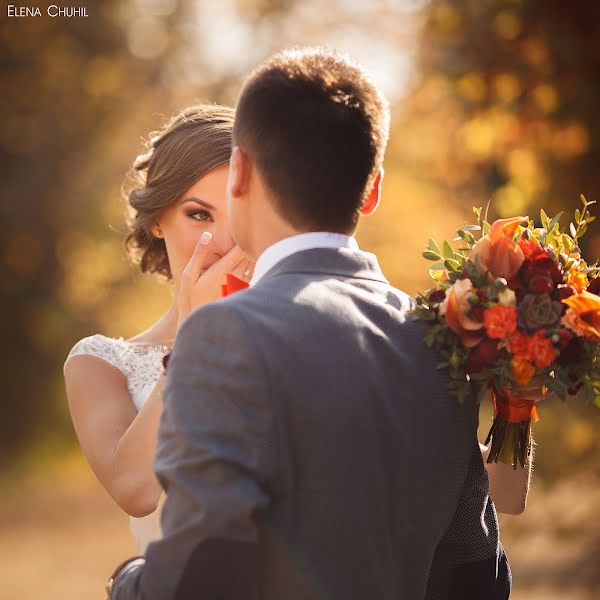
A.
x: 456, y: 307
x: 497, y: 252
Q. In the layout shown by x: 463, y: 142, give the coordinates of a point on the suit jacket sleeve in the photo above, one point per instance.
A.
x: 214, y: 457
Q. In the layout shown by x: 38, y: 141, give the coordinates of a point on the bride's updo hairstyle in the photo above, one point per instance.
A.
x: 188, y: 146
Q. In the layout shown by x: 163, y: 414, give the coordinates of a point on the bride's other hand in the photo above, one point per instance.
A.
x: 200, y: 285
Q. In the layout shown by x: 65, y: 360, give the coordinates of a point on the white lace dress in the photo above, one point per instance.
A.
x: 142, y: 365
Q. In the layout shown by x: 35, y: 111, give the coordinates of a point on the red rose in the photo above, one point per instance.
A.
x: 528, y: 247
x: 482, y: 356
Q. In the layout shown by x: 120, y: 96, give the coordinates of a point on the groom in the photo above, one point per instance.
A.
x: 308, y: 447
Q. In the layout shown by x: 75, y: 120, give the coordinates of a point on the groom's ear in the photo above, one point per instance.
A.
x: 239, y: 176
x: 372, y: 201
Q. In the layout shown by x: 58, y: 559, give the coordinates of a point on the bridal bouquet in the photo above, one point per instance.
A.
x: 515, y: 305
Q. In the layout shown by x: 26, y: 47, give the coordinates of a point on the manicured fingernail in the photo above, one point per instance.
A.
x: 206, y: 238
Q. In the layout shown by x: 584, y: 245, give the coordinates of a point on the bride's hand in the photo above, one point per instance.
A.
x: 200, y: 285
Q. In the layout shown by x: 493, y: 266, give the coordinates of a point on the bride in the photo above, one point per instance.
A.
x: 179, y: 230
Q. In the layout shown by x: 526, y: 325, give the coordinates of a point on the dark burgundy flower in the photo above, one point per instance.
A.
x: 541, y: 266
x: 541, y: 284
x: 482, y: 356
x: 514, y: 283
x: 520, y: 293
x: 478, y: 311
x: 537, y: 311
x: 564, y: 291
x: 565, y: 337
x: 594, y: 287
x: 571, y: 352
x: 437, y: 296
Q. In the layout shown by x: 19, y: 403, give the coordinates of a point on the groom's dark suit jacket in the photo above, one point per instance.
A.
x: 310, y: 450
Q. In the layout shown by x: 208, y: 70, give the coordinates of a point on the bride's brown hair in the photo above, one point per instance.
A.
x: 187, y: 147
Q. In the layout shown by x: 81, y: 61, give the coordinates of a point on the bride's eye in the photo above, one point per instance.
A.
x: 200, y: 215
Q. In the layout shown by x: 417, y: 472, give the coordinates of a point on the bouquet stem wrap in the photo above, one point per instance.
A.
x: 510, y: 433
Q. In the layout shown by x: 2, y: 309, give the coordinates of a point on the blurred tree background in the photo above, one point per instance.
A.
x: 491, y: 99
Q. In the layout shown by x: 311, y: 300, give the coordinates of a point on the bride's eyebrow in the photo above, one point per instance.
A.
x: 200, y: 202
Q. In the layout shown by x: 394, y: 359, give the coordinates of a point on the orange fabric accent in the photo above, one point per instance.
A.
x: 511, y: 409
x: 233, y: 284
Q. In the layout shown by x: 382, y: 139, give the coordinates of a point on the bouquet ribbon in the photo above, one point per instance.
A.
x: 233, y: 284
x: 512, y: 409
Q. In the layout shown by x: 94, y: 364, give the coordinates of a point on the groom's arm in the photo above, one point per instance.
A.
x: 213, y: 457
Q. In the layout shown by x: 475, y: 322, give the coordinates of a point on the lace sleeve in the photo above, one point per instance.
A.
x: 100, y: 347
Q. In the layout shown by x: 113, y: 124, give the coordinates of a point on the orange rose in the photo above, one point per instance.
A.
x: 583, y: 315
x: 542, y: 350
x: 497, y: 252
x: 520, y: 346
x: 500, y: 321
x: 522, y: 371
x: 455, y: 308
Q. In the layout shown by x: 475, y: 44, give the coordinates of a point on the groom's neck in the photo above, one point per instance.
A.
x: 268, y: 226
x: 267, y: 236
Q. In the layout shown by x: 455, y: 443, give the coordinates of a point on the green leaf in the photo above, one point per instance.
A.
x: 466, y: 236
x: 577, y: 216
x: 544, y: 218
x: 452, y: 265
x: 448, y: 252
x: 439, y: 266
x: 432, y: 245
x: 555, y: 221
x: 471, y: 228
x: 573, y: 231
x: 429, y: 255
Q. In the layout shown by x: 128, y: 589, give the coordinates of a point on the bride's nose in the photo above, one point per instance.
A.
x: 222, y: 244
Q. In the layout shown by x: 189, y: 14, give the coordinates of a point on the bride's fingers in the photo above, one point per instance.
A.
x: 193, y: 269
x: 245, y: 270
x: 229, y: 262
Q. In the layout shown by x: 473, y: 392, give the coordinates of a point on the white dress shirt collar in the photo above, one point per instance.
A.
x: 296, y: 243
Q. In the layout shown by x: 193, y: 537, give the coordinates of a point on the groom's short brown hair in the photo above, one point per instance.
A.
x: 317, y: 127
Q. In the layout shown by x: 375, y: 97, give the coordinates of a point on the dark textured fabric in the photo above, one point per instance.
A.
x: 488, y: 579
x: 221, y: 570
x: 305, y: 416
x: 469, y: 558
